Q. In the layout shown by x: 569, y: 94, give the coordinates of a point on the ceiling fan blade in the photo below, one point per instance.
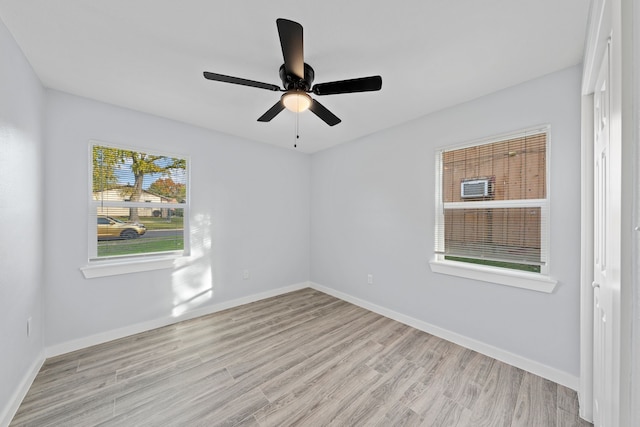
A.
x: 239, y: 81
x: 272, y: 112
x: 326, y: 115
x: 363, y: 84
x: 292, y: 46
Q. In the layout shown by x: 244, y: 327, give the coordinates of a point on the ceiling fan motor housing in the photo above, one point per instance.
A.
x: 293, y: 82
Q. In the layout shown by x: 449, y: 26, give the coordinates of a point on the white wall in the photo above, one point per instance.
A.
x: 364, y: 207
x: 634, y: 380
x: 249, y: 210
x: 372, y: 212
x: 21, y: 190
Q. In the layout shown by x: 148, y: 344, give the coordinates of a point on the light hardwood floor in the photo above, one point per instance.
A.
x: 304, y: 358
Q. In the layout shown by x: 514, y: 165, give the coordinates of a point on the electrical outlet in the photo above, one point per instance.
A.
x: 29, y: 327
x: 370, y: 279
x: 245, y: 275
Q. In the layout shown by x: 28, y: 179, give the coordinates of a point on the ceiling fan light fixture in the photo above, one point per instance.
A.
x: 296, y: 101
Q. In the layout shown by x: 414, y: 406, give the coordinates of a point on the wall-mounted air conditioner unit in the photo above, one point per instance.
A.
x: 474, y: 188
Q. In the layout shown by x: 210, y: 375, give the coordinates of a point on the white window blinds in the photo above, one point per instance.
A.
x: 138, y: 202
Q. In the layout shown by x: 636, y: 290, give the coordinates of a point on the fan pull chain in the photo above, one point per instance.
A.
x: 297, y: 129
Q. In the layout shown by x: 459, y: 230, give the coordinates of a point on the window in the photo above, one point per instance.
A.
x: 138, y: 203
x: 492, y: 204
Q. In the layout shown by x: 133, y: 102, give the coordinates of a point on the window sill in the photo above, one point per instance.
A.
x: 112, y: 268
x: 518, y: 279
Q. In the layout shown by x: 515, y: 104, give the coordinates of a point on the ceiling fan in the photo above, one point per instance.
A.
x: 297, y: 77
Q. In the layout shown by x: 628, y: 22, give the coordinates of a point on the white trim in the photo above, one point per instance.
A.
x: 11, y: 407
x: 113, y: 267
x: 585, y: 392
x: 528, y: 365
x: 492, y: 274
x: 597, y: 33
x: 94, y: 204
x: 595, y: 45
x: 545, y: 212
x: 612, y: 21
x: 501, y: 276
x: 497, y: 204
x: 80, y: 343
x: 537, y: 368
x: 439, y: 214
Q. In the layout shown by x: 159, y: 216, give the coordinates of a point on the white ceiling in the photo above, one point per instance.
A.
x: 149, y: 55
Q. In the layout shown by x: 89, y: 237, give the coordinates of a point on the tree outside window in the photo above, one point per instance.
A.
x: 138, y: 202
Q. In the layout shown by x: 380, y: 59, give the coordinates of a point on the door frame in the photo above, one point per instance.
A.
x: 598, y: 32
x: 585, y: 391
x: 616, y: 19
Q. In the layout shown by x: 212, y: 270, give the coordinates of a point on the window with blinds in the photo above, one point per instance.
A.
x: 138, y: 203
x: 492, y: 202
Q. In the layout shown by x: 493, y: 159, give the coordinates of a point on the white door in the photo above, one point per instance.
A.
x: 603, y: 362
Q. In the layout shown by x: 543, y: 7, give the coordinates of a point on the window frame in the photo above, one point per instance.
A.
x: 124, y: 264
x: 504, y: 276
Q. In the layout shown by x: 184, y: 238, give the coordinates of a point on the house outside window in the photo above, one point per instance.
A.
x: 138, y: 203
x: 492, y: 204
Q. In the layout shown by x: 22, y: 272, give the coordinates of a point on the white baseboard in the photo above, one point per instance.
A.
x: 77, y: 344
x: 528, y: 365
x: 9, y: 411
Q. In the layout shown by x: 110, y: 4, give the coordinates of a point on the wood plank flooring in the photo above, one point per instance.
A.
x: 305, y: 359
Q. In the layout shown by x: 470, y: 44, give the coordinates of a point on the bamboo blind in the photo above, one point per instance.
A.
x: 481, y: 227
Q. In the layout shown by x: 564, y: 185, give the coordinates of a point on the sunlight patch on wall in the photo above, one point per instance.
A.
x: 192, y: 281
